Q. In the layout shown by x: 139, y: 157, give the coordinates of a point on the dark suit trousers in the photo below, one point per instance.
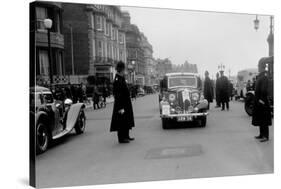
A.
x: 122, y: 133
x: 264, y: 131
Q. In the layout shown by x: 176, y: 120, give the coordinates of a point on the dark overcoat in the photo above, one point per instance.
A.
x: 122, y: 100
x: 217, y: 90
x: 208, y: 89
x: 261, y: 112
x: 224, y: 89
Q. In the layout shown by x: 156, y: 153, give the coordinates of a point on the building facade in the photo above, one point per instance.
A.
x: 135, y: 52
x: 46, y: 66
x: 95, y: 40
x: 163, y: 66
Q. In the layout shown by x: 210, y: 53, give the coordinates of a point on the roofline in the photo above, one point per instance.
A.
x: 181, y: 73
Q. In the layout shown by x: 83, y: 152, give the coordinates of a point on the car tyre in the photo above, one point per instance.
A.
x: 203, y: 121
x: 42, y: 138
x: 80, y: 123
x: 165, y: 123
x: 249, y: 104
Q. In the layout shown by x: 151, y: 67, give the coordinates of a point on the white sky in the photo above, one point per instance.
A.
x: 204, y: 38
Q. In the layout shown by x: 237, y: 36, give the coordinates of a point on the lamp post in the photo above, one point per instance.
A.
x: 221, y: 67
x: 270, y: 38
x: 48, y: 25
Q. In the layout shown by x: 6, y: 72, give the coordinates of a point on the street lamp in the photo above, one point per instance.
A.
x: 256, y: 23
x: 270, y: 38
x: 48, y: 25
x: 221, y: 67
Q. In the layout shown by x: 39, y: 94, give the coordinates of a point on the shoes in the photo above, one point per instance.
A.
x: 222, y: 109
x: 264, y: 139
x: 131, y: 138
x: 258, y: 137
x: 124, y: 141
x: 217, y: 106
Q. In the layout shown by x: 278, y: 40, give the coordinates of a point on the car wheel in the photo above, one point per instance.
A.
x: 42, y: 138
x: 249, y: 105
x: 203, y: 121
x: 165, y: 123
x: 81, y: 123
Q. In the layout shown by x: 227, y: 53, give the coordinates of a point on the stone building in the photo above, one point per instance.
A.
x: 163, y: 66
x: 148, y: 60
x: 135, y: 52
x: 95, y: 40
x: 41, y: 64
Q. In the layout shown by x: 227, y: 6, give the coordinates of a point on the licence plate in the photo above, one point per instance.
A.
x: 185, y: 118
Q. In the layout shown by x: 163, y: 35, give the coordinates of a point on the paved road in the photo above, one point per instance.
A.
x: 225, y: 147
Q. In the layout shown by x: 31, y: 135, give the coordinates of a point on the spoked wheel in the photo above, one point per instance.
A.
x: 42, y: 138
x: 249, y: 104
x: 81, y: 123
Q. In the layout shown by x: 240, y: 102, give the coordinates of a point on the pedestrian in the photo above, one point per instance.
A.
x: 104, y: 94
x: 254, y: 83
x: 208, y: 89
x: 122, y: 117
x: 217, y: 91
x: 224, y: 91
x: 95, y: 98
x: 248, y: 86
x: 261, y: 110
x: 230, y: 90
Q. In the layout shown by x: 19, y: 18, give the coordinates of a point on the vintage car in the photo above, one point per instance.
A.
x: 250, y: 95
x: 54, y: 118
x: 181, y: 99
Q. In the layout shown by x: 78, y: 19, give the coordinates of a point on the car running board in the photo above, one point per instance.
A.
x: 61, y: 134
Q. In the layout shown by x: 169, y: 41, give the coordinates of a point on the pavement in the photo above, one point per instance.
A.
x: 225, y: 147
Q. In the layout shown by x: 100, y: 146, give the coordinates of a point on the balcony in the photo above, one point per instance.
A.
x: 57, y: 39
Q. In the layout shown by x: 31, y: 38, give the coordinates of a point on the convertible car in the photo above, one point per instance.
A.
x: 54, y: 118
x: 181, y: 99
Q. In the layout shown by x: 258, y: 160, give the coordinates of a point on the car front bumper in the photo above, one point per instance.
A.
x: 185, y: 115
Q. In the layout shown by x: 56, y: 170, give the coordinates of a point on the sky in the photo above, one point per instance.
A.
x: 207, y: 39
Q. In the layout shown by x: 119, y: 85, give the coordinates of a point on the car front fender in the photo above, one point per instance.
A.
x: 72, y: 115
x: 202, y: 104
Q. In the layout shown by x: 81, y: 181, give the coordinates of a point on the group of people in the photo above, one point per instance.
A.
x: 223, y: 90
x: 99, y: 97
x: 77, y: 93
x: 261, y: 110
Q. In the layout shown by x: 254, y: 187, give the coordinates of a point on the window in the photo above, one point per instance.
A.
x: 99, y: 22
x: 99, y: 48
x: 92, y: 20
x: 43, y: 63
x: 41, y: 14
x: 109, y: 50
x: 94, y: 49
x: 59, y: 64
x: 107, y: 29
x: 112, y: 33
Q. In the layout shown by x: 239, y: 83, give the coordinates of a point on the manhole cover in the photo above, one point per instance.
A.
x: 174, y: 152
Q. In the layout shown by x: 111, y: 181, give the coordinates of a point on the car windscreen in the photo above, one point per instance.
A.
x: 182, y: 81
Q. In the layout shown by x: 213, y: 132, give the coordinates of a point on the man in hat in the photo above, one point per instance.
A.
x: 122, y: 117
x: 224, y: 91
x: 208, y: 89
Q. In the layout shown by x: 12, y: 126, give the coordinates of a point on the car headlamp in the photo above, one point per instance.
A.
x: 172, y: 97
x: 195, y: 96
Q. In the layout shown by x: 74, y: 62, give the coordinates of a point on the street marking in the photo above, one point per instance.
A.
x: 174, y: 152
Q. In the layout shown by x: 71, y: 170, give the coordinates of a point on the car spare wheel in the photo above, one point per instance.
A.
x: 81, y: 123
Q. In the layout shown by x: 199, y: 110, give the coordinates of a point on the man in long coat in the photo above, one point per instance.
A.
x: 261, y: 111
x: 217, y: 91
x: 122, y: 116
x: 208, y: 89
x: 224, y: 91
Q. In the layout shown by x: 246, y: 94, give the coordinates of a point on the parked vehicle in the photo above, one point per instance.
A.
x: 54, y: 118
x: 181, y: 99
x: 250, y: 95
x: 243, y: 77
